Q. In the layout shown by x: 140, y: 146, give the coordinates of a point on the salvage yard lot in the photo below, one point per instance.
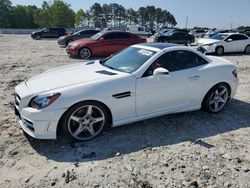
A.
x: 189, y: 149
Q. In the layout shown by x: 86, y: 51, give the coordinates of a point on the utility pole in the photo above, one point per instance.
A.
x: 186, y: 22
x: 231, y: 26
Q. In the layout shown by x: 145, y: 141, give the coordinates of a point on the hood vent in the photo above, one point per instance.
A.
x: 105, y: 72
x: 90, y: 63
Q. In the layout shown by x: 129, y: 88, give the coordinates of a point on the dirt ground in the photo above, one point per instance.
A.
x: 195, y: 149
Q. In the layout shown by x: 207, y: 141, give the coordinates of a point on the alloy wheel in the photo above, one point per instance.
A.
x: 218, y: 98
x: 86, y: 122
x: 85, y: 53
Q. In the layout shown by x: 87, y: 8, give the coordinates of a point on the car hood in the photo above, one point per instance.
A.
x: 64, y: 37
x: 70, y: 75
x: 207, y: 41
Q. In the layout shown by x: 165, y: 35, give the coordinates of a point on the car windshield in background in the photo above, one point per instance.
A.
x: 129, y: 60
x: 219, y: 37
x: 96, y: 36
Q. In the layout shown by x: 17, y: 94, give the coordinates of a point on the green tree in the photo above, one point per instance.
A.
x: 96, y: 12
x: 80, y: 14
x: 5, y: 15
x: 23, y: 16
x: 42, y: 16
x: 58, y: 14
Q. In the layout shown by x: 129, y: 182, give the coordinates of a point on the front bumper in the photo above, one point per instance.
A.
x: 206, y: 48
x: 40, y: 124
x: 73, y: 52
x: 61, y: 42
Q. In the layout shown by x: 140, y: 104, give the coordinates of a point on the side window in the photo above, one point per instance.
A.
x: 237, y: 37
x: 110, y: 36
x: 241, y: 37
x: 93, y: 31
x: 176, y: 61
x: 122, y: 35
x: 83, y: 33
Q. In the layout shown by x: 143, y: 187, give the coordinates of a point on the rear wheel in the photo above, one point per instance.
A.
x: 247, y: 49
x: 219, y: 50
x: 85, y: 121
x: 216, y: 98
x: 85, y: 53
x: 38, y: 37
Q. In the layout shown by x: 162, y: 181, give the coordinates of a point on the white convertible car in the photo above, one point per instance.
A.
x: 224, y: 43
x: 142, y: 81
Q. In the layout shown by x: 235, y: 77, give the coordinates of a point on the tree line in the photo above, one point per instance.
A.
x: 59, y: 13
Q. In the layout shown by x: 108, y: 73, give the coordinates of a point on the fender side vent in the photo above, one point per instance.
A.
x: 90, y: 63
x: 122, y: 95
x: 105, y: 72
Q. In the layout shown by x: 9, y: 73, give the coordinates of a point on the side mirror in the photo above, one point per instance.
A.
x: 229, y: 40
x: 161, y: 72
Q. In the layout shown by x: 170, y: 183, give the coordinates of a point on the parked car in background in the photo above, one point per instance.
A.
x: 175, y: 36
x: 86, y: 33
x: 220, y: 31
x: 225, y: 42
x: 161, y: 32
x: 139, y: 30
x: 199, y: 33
x: 143, y: 81
x: 103, y: 44
x: 51, y: 32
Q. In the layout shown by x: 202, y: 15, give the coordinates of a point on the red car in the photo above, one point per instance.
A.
x: 103, y: 44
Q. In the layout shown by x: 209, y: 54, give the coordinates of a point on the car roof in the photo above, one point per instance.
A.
x: 159, y: 45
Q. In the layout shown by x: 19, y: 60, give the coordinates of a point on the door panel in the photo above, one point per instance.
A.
x: 178, y: 90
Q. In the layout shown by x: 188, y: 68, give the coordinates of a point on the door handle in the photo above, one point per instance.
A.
x: 196, y: 77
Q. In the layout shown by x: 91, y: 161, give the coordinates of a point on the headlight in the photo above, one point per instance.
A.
x: 209, y: 44
x: 42, y: 101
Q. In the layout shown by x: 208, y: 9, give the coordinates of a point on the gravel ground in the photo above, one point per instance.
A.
x: 195, y: 149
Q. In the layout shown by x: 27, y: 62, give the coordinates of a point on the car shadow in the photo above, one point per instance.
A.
x: 156, y: 132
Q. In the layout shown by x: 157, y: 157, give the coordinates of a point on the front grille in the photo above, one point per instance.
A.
x: 28, y: 124
x: 17, y: 99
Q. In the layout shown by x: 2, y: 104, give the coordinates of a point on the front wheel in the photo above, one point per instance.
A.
x: 85, y: 121
x: 247, y: 49
x: 216, y: 98
x: 219, y: 50
x: 85, y: 53
x: 38, y: 37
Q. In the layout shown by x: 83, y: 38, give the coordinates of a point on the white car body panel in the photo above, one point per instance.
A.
x: 149, y: 95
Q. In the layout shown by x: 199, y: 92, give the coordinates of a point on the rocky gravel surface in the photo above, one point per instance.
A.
x: 194, y: 149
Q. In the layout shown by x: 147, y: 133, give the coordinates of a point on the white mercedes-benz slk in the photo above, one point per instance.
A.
x: 142, y: 81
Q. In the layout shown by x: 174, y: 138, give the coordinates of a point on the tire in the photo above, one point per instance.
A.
x: 38, y: 37
x: 219, y: 50
x: 78, y: 127
x: 247, y: 49
x: 216, y: 98
x: 85, y: 53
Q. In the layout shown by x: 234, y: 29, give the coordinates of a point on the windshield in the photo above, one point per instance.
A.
x: 128, y: 60
x: 219, y: 37
x: 96, y: 36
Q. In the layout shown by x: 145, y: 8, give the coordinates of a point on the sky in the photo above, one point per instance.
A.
x: 205, y: 13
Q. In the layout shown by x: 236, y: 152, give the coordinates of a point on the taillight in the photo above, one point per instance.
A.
x: 235, y: 73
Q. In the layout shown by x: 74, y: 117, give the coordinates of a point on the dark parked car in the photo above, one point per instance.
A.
x: 51, y: 32
x: 86, y: 33
x: 175, y: 36
x: 103, y: 43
